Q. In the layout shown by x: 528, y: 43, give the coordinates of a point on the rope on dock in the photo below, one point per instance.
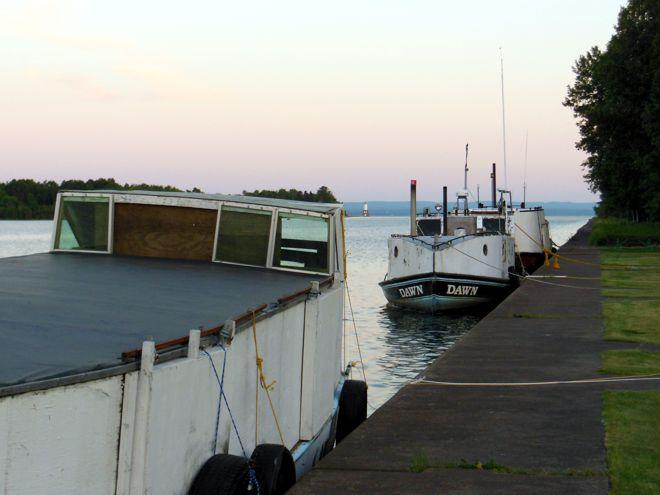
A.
x: 423, y: 381
x: 524, y: 277
x: 557, y: 254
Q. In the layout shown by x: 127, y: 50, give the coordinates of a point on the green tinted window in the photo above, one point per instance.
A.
x: 243, y: 236
x: 83, y: 223
x: 301, y: 242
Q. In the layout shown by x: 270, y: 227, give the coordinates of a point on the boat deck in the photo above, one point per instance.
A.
x: 66, y: 313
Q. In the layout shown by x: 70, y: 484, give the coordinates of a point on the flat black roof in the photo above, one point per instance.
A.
x: 63, y: 313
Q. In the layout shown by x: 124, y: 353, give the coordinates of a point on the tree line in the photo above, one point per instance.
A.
x: 27, y: 199
x: 616, y: 100
x: 322, y: 195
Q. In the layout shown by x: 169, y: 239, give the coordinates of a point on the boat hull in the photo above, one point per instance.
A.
x: 436, y: 292
x: 532, y: 261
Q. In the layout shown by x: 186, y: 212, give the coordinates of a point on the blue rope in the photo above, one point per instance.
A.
x: 221, y: 385
x: 223, y: 396
x: 253, y: 480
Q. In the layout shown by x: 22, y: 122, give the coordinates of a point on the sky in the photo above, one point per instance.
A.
x: 357, y: 95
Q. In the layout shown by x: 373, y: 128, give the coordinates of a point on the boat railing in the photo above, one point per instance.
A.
x: 437, y: 245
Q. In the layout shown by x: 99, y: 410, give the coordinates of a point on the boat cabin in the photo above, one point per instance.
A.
x: 242, y: 230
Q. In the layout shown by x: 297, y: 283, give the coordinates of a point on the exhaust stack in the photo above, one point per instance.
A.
x: 413, y: 208
x: 493, y: 176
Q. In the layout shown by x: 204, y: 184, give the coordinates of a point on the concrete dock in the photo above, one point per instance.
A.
x: 544, y: 438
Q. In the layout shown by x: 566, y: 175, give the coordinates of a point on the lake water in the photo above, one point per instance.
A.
x: 396, y: 345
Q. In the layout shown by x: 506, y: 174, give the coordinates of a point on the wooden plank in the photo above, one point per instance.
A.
x: 164, y: 231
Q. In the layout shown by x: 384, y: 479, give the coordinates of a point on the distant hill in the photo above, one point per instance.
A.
x: 402, y: 208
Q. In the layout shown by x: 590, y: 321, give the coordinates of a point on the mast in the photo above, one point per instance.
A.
x: 525, y: 170
x: 465, y: 188
x: 503, y: 118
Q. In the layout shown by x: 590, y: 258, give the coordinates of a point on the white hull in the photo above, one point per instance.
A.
x: 448, y: 273
x: 149, y: 431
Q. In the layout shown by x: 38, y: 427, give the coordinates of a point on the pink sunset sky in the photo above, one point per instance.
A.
x: 360, y: 96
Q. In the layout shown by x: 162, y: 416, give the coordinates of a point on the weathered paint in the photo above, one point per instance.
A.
x: 90, y: 437
x: 61, y: 440
x: 466, y: 257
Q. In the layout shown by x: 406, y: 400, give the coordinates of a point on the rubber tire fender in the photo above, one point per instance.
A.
x: 275, y: 468
x: 222, y: 474
x: 352, y: 407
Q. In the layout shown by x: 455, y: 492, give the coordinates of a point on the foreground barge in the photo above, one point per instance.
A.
x: 167, y: 339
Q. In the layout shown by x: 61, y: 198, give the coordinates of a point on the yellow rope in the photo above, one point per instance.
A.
x: 350, y: 305
x: 548, y: 253
x: 261, y: 379
x: 343, y: 240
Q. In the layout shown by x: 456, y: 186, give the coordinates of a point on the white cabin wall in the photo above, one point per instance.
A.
x: 185, y: 396
x: 321, y: 361
x: 62, y: 440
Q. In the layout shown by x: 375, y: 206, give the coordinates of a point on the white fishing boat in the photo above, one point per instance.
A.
x: 174, y: 343
x: 528, y: 225
x: 455, y: 268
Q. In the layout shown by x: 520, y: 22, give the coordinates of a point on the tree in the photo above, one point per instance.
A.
x: 616, y: 100
x: 322, y: 195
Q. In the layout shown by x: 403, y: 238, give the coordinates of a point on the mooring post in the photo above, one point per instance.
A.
x: 142, y: 406
x: 228, y: 331
x: 193, y: 343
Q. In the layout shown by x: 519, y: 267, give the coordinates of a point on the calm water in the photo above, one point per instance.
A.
x: 396, y: 345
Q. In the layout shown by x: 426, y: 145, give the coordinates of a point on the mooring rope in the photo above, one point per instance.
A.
x: 261, y: 381
x: 633, y: 378
x: 222, y: 396
x: 525, y: 277
x: 357, y: 338
x: 252, y: 474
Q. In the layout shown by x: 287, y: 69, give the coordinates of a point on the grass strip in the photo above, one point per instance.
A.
x: 632, y: 438
x: 631, y: 279
x: 625, y: 362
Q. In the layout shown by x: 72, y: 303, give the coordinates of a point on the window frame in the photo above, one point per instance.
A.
x: 328, y: 219
x: 59, y: 204
x: 272, y: 234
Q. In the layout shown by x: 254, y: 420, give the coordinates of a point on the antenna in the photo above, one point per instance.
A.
x: 525, y: 170
x: 503, y: 117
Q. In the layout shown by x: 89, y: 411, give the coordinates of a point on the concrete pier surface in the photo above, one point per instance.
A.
x: 544, y: 438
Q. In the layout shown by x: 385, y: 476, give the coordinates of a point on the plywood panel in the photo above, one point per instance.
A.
x: 164, y: 231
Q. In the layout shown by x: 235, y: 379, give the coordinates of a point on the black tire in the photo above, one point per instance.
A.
x: 275, y: 468
x: 222, y: 474
x: 352, y: 407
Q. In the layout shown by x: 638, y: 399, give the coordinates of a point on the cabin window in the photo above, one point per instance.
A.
x: 243, y: 236
x: 83, y: 223
x: 301, y: 242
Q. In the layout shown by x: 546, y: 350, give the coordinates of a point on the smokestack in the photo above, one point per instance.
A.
x: 445, y: 229
x: 413, y: 208
x: 494, y: 186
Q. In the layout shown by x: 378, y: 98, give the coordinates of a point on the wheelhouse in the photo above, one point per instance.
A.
x: 232, y: 229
